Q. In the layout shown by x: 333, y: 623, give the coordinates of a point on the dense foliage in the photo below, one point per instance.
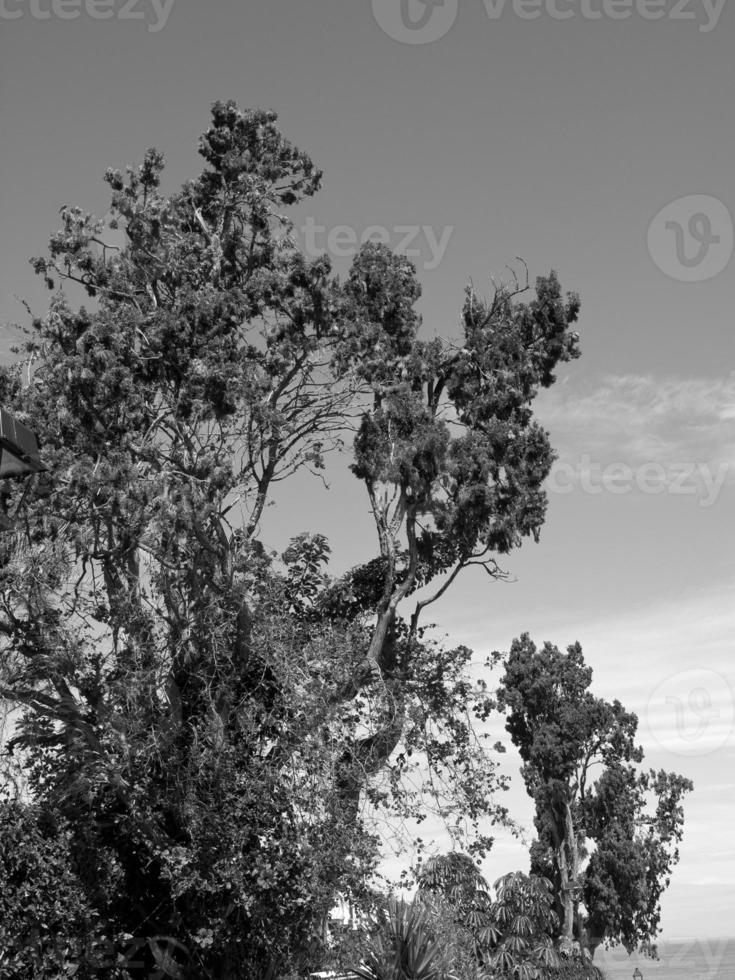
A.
x: 631, y: 820
x: 206, y: 723
x: 46, y: 923
x: 455, y: 930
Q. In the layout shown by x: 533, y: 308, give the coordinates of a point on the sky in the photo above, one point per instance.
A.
x: 594, y: 137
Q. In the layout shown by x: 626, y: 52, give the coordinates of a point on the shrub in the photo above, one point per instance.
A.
x: 46, y: 925
x: 404, y: 946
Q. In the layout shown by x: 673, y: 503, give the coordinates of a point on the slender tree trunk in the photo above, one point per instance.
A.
x: 568, y: 860
x: 567, y: 902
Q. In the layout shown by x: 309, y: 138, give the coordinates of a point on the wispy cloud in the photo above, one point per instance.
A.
x: 643, y: 434
x: 639, y: 418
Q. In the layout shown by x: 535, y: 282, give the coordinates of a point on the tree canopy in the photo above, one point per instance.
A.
x: 208, y: 720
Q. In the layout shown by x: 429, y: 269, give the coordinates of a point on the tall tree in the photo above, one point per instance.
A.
x: 580, y: 767
x: 216, y: 714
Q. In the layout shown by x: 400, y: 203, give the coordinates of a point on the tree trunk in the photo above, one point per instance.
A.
x: 568, y: 861
x: 589, y: 938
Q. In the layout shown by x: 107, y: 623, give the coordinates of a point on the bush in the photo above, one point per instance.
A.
x: 46, y: 925
x: 404, y: 946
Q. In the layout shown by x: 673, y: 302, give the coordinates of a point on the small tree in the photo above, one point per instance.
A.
x: 452, y: 886
x: 525, y: 921
x: 562, y: 733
